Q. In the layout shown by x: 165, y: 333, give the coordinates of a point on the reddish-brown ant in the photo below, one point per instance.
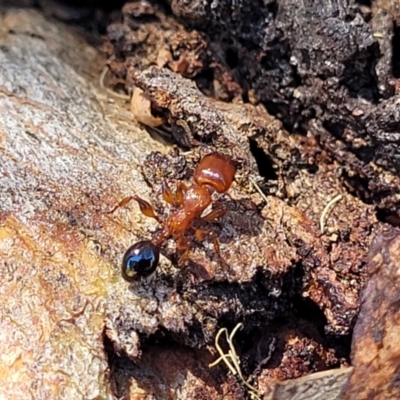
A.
x: 215, y: 172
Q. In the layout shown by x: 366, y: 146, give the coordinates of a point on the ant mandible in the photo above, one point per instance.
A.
x: 214, y: 173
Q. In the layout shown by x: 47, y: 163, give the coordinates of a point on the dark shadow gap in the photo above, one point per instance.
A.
x: 264, y: 162
x: 367, y: 3
x: 388, y: 217
x: 396, y: 52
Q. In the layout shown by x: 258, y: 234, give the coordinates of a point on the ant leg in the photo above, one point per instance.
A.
x: 216, y: 213
x: 183, y: 244
x: 180, y: 193
x: 184, y: 257
x: 176, y: 199
x: 121, y: 204
x: 146, y: 208
x: 167, y: 194
x: 201, y: 234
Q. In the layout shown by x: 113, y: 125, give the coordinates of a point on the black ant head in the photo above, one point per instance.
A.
x: 140, y: 260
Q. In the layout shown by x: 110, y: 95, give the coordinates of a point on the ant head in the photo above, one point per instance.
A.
x: 140, y: 260
x: 215, y: 170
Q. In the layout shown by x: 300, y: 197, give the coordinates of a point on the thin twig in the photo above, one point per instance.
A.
x: 258, y: 189
x: 326, y: 209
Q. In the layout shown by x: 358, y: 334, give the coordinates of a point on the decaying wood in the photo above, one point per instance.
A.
x: 376, y: 347
x: 300, y: 239
x: 316, y: 386
x: 328, y: 62
x: 323, y: 67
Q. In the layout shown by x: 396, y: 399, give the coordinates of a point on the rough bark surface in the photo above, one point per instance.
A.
x: 376, y: 347
x: 67, y: 155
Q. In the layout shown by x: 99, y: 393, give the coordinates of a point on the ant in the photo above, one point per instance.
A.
x: 214, y: 173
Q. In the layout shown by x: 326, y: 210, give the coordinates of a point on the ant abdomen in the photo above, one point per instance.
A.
x: 140, y: 260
